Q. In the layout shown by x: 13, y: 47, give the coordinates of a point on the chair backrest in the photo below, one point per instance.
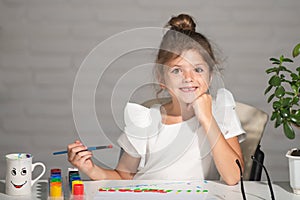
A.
x: 253, y: 121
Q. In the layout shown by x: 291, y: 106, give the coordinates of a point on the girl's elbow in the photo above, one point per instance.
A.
x: 233, y: 179
x: 235, y: 176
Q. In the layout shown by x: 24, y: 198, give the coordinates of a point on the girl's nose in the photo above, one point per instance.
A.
x: 187, y: 77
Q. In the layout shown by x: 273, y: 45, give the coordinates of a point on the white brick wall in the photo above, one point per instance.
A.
x: 43, y: 42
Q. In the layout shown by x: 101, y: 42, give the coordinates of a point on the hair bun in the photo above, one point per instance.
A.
x: 182, y: 22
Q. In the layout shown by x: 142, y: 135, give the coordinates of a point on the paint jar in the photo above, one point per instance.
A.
x: 55, y: 189
x: 55, y: 184
x: 78, y: 191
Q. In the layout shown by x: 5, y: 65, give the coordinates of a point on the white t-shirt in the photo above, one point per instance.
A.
x: 178, y: 151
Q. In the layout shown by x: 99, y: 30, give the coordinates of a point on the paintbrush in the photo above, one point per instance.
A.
x: 88, y: 149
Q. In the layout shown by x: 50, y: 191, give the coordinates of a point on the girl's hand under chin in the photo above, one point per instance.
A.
x: 202, y: 106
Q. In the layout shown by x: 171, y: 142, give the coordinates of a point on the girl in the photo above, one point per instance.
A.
x: 190, y: 137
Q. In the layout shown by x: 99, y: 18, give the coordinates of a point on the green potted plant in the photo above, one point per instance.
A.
x: 285, y: 86
x: 284, y: 94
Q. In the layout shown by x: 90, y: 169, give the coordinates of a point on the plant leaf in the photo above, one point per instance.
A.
x: 274, y: 116
x: 268, y: 89
x: 279, y: 92
x: 295, y: 119
x: 281, y: 58
x: 296, y: 50
x: 295, y: 88
x: 295, y: 77
x: 268, y: 71
x: 276, y: 105
x: 286, y: 101
x: 275, y: 80
x: 276, y: 63
x: 288, y: 130
x: 283, y: 68
x: 287, y: 60
x: 285, y: 113
x: 274, y: 59
x: 271, y: 97
x: 278, y: 121
x: 297, y: 113
x: 290, y: 93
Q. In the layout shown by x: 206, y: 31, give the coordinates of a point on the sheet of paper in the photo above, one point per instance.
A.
x: 152, y: 196
x: 158, y: 190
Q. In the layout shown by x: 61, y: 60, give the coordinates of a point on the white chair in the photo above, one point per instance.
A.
x: 253, y: 121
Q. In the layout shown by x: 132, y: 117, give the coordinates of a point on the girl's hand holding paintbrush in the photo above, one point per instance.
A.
x: 80, y: 157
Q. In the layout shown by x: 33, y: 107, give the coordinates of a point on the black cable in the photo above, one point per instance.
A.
x: 241, y: 175
x: 268, y: 177
x: 256, y: 169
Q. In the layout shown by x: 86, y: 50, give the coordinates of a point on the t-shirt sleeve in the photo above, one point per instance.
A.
x: 226, y: 116
x: 126, y: 145
x: 134, y: 139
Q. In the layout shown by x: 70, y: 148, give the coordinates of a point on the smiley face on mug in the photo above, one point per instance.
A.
x: 19, y: 175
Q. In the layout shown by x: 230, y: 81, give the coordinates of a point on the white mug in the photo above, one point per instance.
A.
x: 19, y: 169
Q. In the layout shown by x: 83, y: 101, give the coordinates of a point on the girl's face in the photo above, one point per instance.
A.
x: 187, y: 76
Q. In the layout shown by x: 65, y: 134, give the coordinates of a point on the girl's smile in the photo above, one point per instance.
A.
x: 189, y: 89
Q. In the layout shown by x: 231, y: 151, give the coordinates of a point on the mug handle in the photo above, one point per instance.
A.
x: 43, y: 172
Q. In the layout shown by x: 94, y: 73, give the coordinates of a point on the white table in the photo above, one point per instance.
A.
x: 216, y: 189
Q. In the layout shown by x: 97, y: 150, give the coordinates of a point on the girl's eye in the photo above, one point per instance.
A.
x: 23, y: 172
x: 175, y: 71
x: 198, y: 69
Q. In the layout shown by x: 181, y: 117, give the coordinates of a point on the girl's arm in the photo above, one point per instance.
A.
x: 80, y: 158
x: 225, y: 152
x: 127, y: 166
